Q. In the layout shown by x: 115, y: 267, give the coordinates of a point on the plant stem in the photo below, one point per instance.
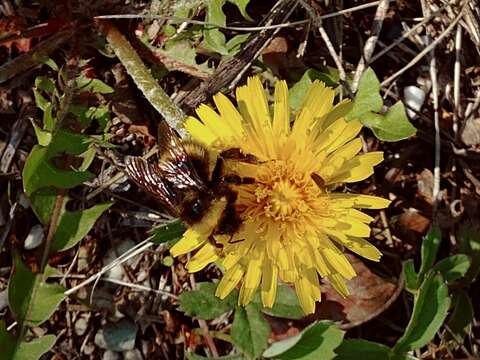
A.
x: 142, y: 76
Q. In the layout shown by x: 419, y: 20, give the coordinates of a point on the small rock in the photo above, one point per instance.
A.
x: 121, y: 335
x: 3, y: 299
x: 84, y: 259
x: 414, y: 99
x: 23, y: 201
x: 81, y: 326
x: 89, y: 348
x: 116, y: 120
x: 34, y: 237
x: 134, y: 354
x: 110, y: 355
x: 100, y: 340
x: 117, y: 272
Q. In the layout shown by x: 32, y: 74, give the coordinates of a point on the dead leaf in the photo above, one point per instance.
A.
x: 370, y: 295
x: 425, y: 185
x: 413, y: 220
x: 471, y: 132
x: 281, y: 58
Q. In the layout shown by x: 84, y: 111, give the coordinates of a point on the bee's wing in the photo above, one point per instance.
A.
x: 150, y: 178
x: 175, y: 163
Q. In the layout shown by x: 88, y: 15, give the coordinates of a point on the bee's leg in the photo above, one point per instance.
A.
x: 217, y: 173
x: 218, y: 246
x: 238, y: 155
x: 233, y: 179
x: 229, y: 222
x: 229, y: 179
x: 231, y: 241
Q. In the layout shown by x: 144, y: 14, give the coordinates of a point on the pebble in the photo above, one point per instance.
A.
x: 100, y: 340
x: 414, y: 99
x: 120, y: 335
x: 117, y: 272
x: 110, y: 355
x: 81, y: 326
x: 3, y: 299
x: 134, y: 354
x: 89, y: 348
x: 34, y: 237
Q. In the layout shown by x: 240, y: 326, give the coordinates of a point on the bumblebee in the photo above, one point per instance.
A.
x: 182, y: 182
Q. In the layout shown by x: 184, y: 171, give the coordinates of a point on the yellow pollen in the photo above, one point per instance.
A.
x: 283, y: 198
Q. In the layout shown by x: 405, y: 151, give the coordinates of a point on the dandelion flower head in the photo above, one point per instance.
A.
x: 294, y: 224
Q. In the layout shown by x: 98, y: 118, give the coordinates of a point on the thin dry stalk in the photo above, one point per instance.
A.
x: 371, y: 42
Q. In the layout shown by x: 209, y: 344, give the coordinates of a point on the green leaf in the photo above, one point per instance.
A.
x: 429, y: 250
x: 43, y: 203
x: 317, y: 341
x: 74, y: 225
x: 7, y: 341
x: 242, y: 7
x: 92, y: 85
x: 203, y: 303
x: 40, y: 101
x: 250, y: 330
x: 393, y: 126
x: 353, y: 349
x: 39, y: 173
x: 31, y: 299
x: 296, y: 94
x: 20, y: 289
x: 45, y: 84
x: 461, y: 319
x: 12, y: 349
x: 45, y: 302
x: 47, y: 119
x: 183, y: 51
x: 286, y: 304
x: 411, y: 277
x: 50, y: 63
x: 88, y: 157
x: 170, y: 232
x: 43, y: 137
x: 368, y: 97
x: 234, y: 45
x: 213, y: 38
x: 87, y: 114
x: 69, y: 142
x: 429, y: 311
x: 34, y: 349
x: 453, y: 267
x: 469, y: 244
x: 192, y: 356
x: 185, y: 9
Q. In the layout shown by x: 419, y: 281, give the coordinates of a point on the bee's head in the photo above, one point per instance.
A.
x: 195, y: 206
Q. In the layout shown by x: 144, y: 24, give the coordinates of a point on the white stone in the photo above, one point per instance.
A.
x: 34, y: 237
x: 81, y: 326
x: 414, y: 98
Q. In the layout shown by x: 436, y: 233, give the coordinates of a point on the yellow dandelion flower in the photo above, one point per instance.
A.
x: 294, y: 224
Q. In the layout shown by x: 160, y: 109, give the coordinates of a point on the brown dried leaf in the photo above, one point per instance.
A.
x: 471, y: 132
x: 413, y: 220
x: 425, y: 185
x: 370, y: 295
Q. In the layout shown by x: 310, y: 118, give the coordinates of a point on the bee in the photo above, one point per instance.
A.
x: 182, y: 182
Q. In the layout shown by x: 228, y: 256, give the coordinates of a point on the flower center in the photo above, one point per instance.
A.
x: 283, y: 194
x: 284, y: 199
